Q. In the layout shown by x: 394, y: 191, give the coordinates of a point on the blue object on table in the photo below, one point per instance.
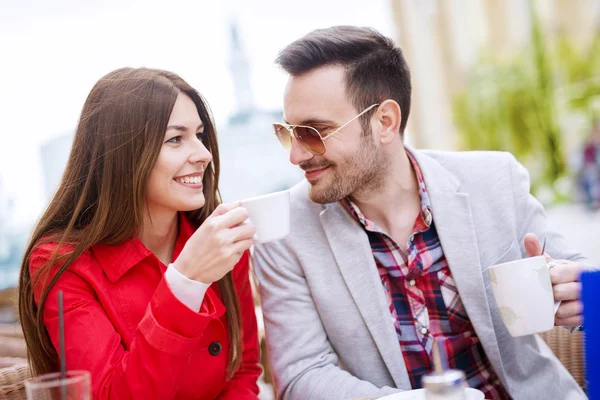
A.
x: 590, y: 296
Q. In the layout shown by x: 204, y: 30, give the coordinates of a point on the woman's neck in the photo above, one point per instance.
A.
x: 159, y: 234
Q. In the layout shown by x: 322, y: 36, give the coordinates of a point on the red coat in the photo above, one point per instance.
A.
x: 125, y: 326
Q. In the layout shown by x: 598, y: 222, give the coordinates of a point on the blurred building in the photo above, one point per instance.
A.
x: 443, y: 39
x: 252, y: 160
x: 5, y: 210
x: 54, y: 155
x: 13, y: 240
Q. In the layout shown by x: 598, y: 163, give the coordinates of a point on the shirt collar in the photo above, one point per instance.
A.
x: 424, y: 219
x: 116, y: 260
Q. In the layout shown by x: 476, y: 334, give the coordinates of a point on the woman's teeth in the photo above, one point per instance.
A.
x: 189, y: 179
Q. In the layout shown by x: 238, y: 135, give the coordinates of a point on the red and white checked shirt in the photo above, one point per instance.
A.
x: 424, y: 301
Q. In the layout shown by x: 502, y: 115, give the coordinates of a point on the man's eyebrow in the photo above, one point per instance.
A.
x: 314, y: 121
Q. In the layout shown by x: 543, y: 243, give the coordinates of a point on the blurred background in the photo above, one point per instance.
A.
x: 515, y: 75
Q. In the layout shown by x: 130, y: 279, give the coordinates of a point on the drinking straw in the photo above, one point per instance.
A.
x: 61, y: 338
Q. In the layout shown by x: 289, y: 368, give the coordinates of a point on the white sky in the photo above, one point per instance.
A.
x: 53, y: 51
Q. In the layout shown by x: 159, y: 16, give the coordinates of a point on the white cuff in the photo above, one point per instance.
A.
x: 188, y: 291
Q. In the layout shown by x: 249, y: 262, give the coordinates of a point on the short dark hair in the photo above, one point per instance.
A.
x: 375, y: 68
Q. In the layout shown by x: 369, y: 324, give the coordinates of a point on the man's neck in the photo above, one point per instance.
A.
x: 396, y: 205
x: 159, y: 233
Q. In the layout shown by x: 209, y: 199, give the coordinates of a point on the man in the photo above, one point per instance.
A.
x: 390, y: 245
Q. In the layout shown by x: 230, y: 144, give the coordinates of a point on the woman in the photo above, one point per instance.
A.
x: 134, y: 238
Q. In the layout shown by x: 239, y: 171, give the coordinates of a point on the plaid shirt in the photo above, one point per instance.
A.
x: 424, y: 301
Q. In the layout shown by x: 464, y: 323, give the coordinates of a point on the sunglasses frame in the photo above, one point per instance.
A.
x: 291, y: 129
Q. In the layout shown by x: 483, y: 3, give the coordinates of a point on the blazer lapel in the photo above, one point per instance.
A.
x: 453, y: 219
x: 354, y: 258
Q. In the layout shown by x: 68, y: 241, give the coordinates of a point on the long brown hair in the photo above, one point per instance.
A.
x: 102, y: 192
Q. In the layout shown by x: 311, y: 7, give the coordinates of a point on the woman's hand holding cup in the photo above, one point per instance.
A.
x: 217, y: 245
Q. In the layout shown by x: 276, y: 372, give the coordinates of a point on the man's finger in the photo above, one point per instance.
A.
x: 533, y: 246
x: 569, y: 309
x: 565, y: 273
x: 571, y: 321
x: 567, y: 291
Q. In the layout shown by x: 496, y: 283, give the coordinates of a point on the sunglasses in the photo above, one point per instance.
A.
x: 308, y: 137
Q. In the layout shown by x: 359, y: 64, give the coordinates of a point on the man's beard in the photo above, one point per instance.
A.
x: 357, y: 176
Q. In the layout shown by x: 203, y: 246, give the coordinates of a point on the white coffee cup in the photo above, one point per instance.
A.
x: 421, y: 394
x: 523, y: 293
x: 270, y: 213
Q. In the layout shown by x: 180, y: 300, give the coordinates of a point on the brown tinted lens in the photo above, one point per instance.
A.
x: 283, y: 135
x: 310, y: 139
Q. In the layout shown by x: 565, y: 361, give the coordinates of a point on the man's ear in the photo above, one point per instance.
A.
x: 389, y: 117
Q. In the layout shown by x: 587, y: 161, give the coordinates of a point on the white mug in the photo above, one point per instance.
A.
x: 524, y: 295
x: 270, y: 214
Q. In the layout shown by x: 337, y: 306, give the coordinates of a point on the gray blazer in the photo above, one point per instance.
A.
x: 329, y: 330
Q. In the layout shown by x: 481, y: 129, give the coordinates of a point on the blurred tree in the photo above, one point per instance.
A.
x: 580, y: 75
x: 516, y: 105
